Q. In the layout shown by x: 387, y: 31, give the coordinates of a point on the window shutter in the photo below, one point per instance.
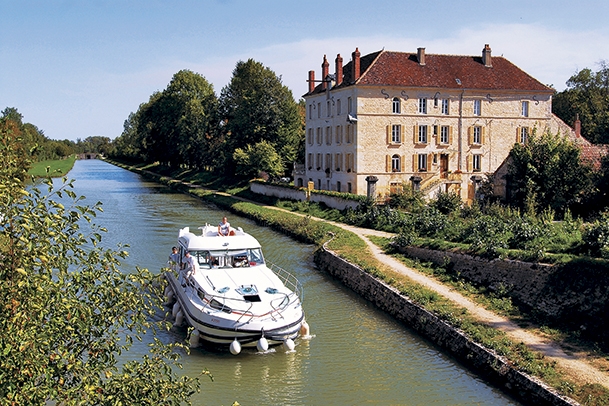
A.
x: 403, y: 163
x: 389, y: 134
x: 450, y: 134
x: 469, y: 163
x: 429, y: 161
x: 469, y: 135
x: 414, y: 162
x: 518, y: 135
x: 415, y: 138
x: 483, y: 136
x: 388, y: 163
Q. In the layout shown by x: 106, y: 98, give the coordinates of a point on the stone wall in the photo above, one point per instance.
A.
x: 488, y: 364
x: 299, y: 194
x: 575, y: 294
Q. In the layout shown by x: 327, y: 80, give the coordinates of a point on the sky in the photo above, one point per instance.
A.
x: 78, y: 68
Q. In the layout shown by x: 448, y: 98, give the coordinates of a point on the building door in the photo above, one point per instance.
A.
x: 443, y: 165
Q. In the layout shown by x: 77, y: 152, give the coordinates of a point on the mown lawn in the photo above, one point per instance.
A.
x: 54, y: 168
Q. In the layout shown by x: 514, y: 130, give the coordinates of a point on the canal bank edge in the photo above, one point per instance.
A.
x: 494, y: 368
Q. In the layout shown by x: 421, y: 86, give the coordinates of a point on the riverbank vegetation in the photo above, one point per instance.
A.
x: 52, y: 167
x: 68, y: 309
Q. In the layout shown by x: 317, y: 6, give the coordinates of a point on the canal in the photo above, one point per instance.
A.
x: 357, y: 354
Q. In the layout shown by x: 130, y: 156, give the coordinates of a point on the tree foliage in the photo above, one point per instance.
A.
x: 547, y: 173
x: 68, y: 311
x: 255, y: 106
x: 586, y: 96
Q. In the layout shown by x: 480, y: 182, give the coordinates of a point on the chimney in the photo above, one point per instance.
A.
x: 578, y: 126
x: 486, y: 56
x: 339, y: 69
x: 355, y: 66
x: 421, y: 55
x: 311, y: 81
x: 325, y: 68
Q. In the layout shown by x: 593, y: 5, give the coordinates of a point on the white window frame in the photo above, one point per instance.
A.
x: 445, y: 107
x: 422, y: 162
x: 444, y: 134
x: 423, y: 135
x: 524, y: 135
x: 477, y: 135
x: 477, y: 107
x: 422, y: 106
x: 476, y: 162
x: 524, y: 110
x: 396, y: 134
x: 395, y: 106
x: 396, y: 163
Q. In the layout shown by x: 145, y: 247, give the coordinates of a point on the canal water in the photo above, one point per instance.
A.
x: 357, y: 354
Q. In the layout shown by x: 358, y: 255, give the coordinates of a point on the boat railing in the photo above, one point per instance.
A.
x: 289, y: 280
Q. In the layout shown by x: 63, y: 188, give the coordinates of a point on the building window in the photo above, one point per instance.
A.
x: 310, y: 137
x: 328, y: 108
x: 444, y: 134
x: 349, y: 189
x: 396, y: 134
x: 423, y: 106
x: 310, y: 161
x: 396, y: 163
x: 339, y: 134
x: 422, y: 134
x: 318, y: 110
x: 328, y: 163
x: 476, y: 162
x: 349, y: 163
x: 338, y: 162
x: 338, y: 186
x: 318, y: 161
x: 311, y: 111
x: 328, y: 135
x: 422, y: 158
x: 525, y: 109
x: 349, y: 105
x: 523, y: 135
x: 445, y: 107
x: 319, y: 136
x: 477, y: 107
x: 396, y: 105
x: 349, y: 133
x: 338, y: 108
x: 476, y: 135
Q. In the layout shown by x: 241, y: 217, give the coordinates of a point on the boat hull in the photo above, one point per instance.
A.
x: 219, y: 328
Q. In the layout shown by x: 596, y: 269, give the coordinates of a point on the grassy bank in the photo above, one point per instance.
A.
x: 54, y: 168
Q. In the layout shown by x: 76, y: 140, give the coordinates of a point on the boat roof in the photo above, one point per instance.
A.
x: 209, y: 240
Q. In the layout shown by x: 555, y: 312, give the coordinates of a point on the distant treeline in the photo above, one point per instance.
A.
x: 254, y: 126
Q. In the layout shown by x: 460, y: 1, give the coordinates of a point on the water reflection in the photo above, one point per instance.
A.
x: 358, y: 355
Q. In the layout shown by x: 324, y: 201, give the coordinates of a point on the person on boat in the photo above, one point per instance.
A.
x: 189, y: 265
x: 174, y: 258
x: 224, y: 229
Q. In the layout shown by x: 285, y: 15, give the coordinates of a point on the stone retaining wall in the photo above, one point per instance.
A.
x: 281, y: 192
x: 489, y: 365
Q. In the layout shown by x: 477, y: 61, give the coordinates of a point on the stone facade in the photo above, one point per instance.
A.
x: 436, y: 122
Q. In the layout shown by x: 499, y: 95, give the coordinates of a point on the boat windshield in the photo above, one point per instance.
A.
x: 229, y: 258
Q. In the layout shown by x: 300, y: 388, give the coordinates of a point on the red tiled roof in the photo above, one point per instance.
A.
x: 388, y: 68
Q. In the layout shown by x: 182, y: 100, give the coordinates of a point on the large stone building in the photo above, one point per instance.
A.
x: 435, y: 122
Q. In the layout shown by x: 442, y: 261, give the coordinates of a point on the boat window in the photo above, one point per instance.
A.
x: 255, y: 257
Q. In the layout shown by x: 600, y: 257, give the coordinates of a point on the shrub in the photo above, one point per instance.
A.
x: 596, y: 237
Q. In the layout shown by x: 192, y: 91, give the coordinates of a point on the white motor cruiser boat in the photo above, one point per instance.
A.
x: 232, y: 297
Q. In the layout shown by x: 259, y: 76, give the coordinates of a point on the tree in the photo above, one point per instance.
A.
x: 261, y: 157
x: 256, y: 107
x: 547, y: 173
x: 68, y: 311
x: 586, y: 96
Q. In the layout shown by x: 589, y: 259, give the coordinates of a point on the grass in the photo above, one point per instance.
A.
x: 55, y: 168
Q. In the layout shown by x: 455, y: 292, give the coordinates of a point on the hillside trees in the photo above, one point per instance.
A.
x: 587, y: 95
x: 547, y: 173
x: 68, y: 310
x: 255, y: 107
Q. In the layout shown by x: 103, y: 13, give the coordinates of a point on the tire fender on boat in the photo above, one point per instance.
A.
x: 304, y: 329
x: 235, y: 347
x: 194, y: 338
x: 179, y: 318
x: 169, y: 295
x: 176, y: 309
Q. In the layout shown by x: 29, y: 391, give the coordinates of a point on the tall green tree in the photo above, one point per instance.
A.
x: 67, y: 310
x: 547, y: 173
x: 254, y: 107
x: 586, y: 96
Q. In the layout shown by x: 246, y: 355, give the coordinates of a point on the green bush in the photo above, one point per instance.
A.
x: 596, y: 237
